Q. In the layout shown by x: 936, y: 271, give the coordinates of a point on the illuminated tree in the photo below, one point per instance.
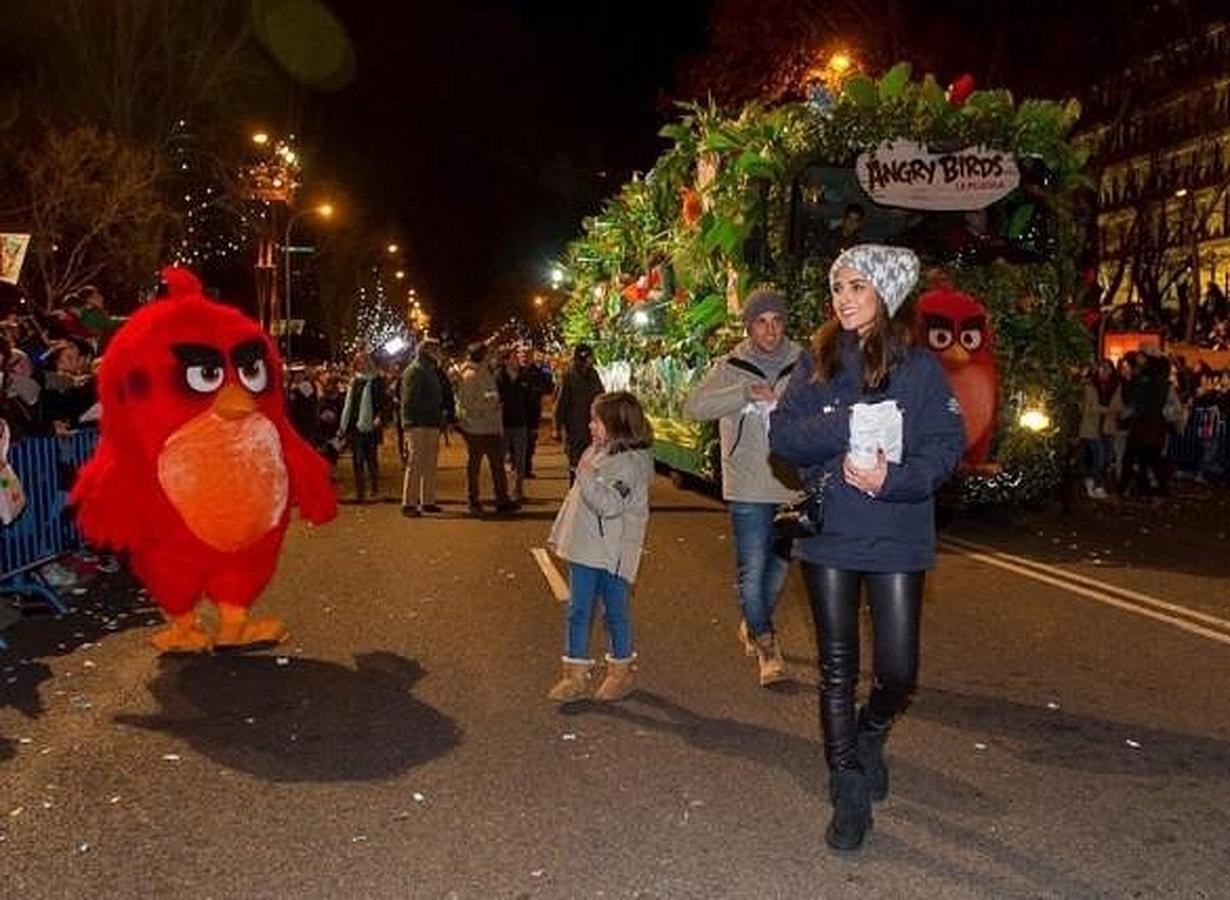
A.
x: 378, y: 317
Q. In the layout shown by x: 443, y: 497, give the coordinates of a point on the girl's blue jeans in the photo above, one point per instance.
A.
x: 586, y: 584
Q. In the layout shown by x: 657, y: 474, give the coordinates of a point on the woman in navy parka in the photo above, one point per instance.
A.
x: 879, y: 522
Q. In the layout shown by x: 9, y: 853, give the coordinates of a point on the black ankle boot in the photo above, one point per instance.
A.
x: 851, y: 810
x: 871, y: 758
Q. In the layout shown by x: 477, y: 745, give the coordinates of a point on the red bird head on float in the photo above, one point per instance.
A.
x: 956, y: 327
x: 192, y: 394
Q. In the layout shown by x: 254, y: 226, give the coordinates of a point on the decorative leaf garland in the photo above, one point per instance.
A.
x: 741, y: 170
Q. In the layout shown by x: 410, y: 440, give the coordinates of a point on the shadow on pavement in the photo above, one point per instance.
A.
x: 1017, y: 875
x: 801, y: 758
x: 291, y: 719
x: 110, y: 605
x: 1048, y: 737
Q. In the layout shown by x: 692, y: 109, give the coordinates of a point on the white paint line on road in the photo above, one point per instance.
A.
x: 559, y: 587
x: 1123, y: 592
x: 1077, y: 584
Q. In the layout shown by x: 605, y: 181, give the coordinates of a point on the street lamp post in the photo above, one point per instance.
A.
x: 324, y: 210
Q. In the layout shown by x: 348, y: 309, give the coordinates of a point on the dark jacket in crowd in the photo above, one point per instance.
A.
x: 578, y: 388
x: 304, y: 412
x: 538, y: 384
x: 67, y: 397
x: 515, y: 399
x: 1146, y: 395
x: 895, y: 530
x: 423, y: 401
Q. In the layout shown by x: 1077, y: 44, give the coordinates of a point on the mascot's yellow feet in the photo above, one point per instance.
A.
x: 182, y: 635
x: 237, y: 629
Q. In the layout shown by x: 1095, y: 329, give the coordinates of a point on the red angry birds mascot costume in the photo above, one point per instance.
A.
x: 198, y: 465
x: 956, y: 327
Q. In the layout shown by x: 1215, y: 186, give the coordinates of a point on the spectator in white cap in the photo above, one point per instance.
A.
x: 878, y: 531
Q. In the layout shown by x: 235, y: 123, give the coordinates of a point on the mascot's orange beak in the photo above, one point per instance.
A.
x: 233, y: 403
x: 956, y: 355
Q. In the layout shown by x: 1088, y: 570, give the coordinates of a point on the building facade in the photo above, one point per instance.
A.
x: 1161, y: 129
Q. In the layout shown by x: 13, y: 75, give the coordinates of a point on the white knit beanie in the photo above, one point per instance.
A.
x: 892, y: 270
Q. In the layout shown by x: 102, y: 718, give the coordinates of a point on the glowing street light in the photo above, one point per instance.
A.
x: 392, y: 248
x: 399, y: 274
x: 539, y: 301
x: 1034, y: 419
x: 840, y: 62
x: 834, y: 70
x: 260, y: 138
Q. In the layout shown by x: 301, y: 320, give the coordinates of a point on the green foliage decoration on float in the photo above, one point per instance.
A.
x: 713, y: 212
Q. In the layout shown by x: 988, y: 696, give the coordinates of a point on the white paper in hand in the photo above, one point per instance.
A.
x: 873, y: 427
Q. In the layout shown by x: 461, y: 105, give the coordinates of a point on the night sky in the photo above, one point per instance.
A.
x: 478, y: 134
x: 482, y: 132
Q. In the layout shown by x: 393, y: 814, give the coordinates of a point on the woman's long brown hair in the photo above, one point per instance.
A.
x: 885, y: 345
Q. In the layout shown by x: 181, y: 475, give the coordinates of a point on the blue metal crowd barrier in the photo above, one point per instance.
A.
x: 1203, y: 447
x: 45, y: 529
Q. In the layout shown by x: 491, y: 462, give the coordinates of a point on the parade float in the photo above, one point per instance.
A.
x: 984, y: 189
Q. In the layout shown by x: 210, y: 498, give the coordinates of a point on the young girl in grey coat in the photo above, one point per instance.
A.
x: 600, y: 530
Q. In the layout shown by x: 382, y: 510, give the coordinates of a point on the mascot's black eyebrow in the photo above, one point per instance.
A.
x: 245, y: 354
x: 198, y: 355
x: 975, y: 322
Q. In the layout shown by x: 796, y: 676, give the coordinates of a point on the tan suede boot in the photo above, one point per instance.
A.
x: 574, y: 683
x: 749, y: 646
x: 769, y: 655
x: 618, y: 681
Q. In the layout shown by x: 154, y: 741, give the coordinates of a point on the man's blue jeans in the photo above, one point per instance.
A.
x: 585, y: 585
x: 761, y: 569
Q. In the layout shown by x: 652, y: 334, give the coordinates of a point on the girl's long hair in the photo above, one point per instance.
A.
x: 886, y: 344
x: 624, y: 420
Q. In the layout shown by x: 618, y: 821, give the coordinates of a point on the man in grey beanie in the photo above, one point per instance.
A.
x: 740, y: 390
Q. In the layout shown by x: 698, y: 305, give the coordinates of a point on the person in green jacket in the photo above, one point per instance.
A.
x: 426, y: 401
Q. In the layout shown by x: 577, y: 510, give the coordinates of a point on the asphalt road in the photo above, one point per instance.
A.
x: 1068, y: 740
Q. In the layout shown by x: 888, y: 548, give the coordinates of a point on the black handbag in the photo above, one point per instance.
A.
x: 802, y: 518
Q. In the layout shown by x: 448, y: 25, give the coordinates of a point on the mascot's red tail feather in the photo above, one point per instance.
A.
x: 181, y: 282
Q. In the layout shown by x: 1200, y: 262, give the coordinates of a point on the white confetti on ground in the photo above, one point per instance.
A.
x: 171, y: 757
x: 283, y: 660
x: 1135, y: 745
x: 568, y: 737
x: 418, y: 798
x: 980, y: 746
x: 1052, y: 705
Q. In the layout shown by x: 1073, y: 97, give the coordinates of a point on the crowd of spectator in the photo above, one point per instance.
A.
x: 49, y: 362
x: 317, y: 401
x: 1135, y: 414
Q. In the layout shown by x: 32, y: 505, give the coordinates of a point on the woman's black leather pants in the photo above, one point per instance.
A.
x: 896, y: 604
